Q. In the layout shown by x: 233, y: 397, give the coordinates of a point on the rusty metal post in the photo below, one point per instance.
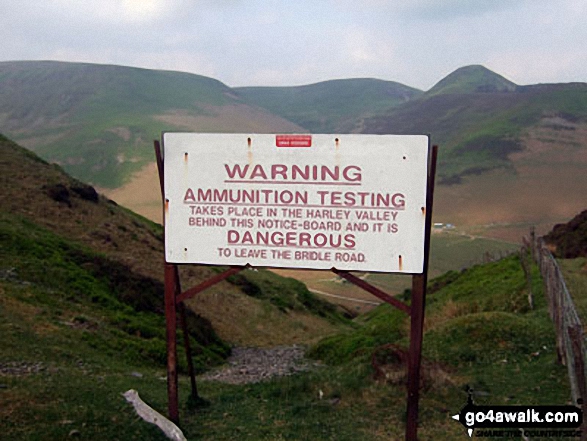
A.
x: 372, y: 290
x: 171, y: 335
x: 188, y: 350
x: 171, y: 287
x: 186, y: 336
x: 418, y: 304
x: 576, y: 337
x: 159, y: 160
x: 209, y: 283
x: 415, y: 354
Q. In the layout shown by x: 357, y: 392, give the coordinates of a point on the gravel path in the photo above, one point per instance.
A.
x: 251, y: 365
x: 19, y: 368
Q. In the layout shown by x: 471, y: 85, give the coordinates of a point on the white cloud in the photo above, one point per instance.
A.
x: 453, y: 8
x: 433, y: 9
x: 538, y: 66
x: 362, y: 47
x: 143, y: 10
x: 272, y: 42
x: 56, y: 17
x: 577, y: 6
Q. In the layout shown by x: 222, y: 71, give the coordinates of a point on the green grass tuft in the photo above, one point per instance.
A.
x: 285, y: 293
x: 111, y: 308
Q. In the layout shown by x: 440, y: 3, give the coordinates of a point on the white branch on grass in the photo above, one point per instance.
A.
x: 152, y: 416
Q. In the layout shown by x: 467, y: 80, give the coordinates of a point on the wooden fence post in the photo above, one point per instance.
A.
x: 576, y: 337
x: 527, y: 267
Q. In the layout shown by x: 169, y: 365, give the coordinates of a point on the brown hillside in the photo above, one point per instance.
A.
x: 45, y: 195
x: 545, y: 184
x: 569, y: 240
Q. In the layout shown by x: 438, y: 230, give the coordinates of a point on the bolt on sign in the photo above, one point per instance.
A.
x: 352, y: 202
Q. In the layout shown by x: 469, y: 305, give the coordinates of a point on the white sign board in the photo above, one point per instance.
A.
x: 353, y: 202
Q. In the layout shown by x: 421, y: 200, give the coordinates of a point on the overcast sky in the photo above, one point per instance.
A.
x: 272, y: 43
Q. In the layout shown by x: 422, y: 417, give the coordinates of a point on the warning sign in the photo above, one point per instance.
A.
x: 353, y: 202
x: 293, y: 140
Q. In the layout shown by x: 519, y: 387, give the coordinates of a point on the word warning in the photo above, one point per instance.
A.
x: 353, y: 202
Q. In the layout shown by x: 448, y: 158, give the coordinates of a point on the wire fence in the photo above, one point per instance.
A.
x: 570, y: 343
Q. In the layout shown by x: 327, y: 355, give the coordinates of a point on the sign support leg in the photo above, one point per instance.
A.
x: 171, y: 320
x: 415, y: 354
x: 186, y: 335
x: 171, y: 288
x: 417, y: 307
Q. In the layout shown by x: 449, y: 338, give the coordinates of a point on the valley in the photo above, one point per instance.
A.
x: 81, y: 271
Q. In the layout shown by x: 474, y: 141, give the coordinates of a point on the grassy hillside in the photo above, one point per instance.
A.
x: 98, y: 121
x: 69, y: 350
x: 44, y: 196
x: 479, y: 333
x: 499, y: 142
x: 569, y: 240
x: 80, y: 322
x: 470, y: 79
x: 78, y: 329
x: 480, y: 119
x: 330, y: 106
x: 60, y: 285
x: 448, y: 252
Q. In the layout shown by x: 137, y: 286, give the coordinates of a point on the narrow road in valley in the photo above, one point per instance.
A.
x: 350, y: 299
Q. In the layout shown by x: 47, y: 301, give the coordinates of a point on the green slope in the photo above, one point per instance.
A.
x: 476, y: 115
x: 112, y: 308
x: 70, y: 348
x: 98, y: 121
x: 64, y: 246
x: 569, y: 240
x: 81, y: 301
x: 478, y: 118
x: 80, y: 320
x: 50, y: 200
x: 470, y: 79
x: 55, y: 88
x: 480, y: 333
x: 330, y: 106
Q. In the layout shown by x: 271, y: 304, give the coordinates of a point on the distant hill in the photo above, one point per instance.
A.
x: 569, y: 240
x: 470, y: 79
x: 499, y: 142
x: 330, y: 106
x: 480, y: 118
x: 57, y: 230
x: 98, y: 121
x: 476, y: 115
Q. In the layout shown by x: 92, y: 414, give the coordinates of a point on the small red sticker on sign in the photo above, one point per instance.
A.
x: 293, y: 140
